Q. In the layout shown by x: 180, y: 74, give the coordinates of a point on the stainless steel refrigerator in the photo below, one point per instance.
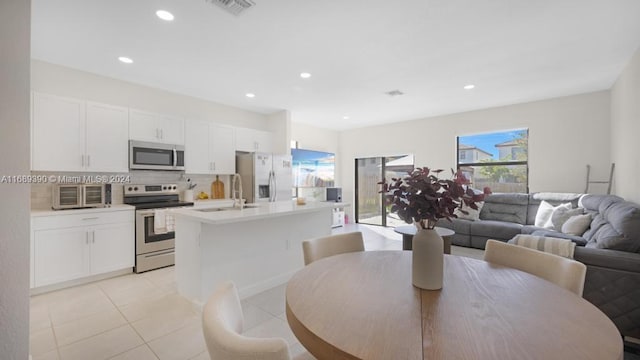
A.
x: 265, y: 177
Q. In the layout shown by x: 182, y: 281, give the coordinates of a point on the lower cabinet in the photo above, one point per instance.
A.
x: 69, y: 247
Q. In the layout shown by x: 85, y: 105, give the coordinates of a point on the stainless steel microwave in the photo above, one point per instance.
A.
x: 155, y: 156
x: 77, y: 196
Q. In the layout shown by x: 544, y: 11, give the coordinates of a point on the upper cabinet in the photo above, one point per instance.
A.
x: 146, y: 126
x: 252, y: 140
x: 208, y: 148
x: 75, y: 135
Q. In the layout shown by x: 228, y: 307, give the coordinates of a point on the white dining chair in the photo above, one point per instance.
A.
x: 318, y: 248
x: 561, y: 271
x: 222, y: 324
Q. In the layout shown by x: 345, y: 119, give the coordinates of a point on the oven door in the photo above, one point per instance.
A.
x: 146, y: 239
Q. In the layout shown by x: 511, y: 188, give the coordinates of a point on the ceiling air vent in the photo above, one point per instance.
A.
x: 236, y: 7
x: 394, y: 93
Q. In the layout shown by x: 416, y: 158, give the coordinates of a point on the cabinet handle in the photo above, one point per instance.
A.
x: 86, y: 240
x: 90, y: 218
x: 214, y: 165
x: 157, y: 133
x: 93, y: 237
x: 161, y: 134
x: 88, y: 160
x: 82, y: 160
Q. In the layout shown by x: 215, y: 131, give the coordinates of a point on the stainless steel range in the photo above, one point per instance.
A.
x: 155, y: 236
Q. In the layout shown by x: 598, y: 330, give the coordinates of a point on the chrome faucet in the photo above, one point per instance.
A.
x: 236, y: 179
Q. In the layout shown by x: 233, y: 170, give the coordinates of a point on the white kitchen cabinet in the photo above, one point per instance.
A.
x: 208, y: 148
x: 107, y: 138
x: 74, y: 135
x: 60, y: 255
x: 151, y: 127
x: 69, y: 247
x: 57, y: 133
x: 221, y: 150
x: 252, y: 140
x: 112, y: 247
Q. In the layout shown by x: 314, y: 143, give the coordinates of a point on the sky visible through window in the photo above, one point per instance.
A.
x: 488, y: 141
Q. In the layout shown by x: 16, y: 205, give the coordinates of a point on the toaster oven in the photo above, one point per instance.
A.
x: 77, y: 196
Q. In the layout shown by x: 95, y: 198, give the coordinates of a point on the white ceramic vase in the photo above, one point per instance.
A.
x: 428, y: 259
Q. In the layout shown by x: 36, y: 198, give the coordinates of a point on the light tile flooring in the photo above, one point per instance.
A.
x: 141, y: 316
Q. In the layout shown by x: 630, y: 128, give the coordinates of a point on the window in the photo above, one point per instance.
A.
x: 499, y: 160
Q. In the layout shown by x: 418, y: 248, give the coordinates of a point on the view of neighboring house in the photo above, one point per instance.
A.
x: 472, y: 154
x: 511, y: 150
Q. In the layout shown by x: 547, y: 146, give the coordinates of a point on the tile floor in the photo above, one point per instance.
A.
x: 141, y: 316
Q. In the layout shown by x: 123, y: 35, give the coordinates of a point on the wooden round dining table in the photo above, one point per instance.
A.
x: 362, y: 305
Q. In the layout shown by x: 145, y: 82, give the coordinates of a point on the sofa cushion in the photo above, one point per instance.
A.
x: 495, y: 229
x: 505, y: 207
x: 529, y: 229
x: 552, y: 198
x: 616, y: 228
x: 459, y: 226
x: 472, y: 214
x: 580, y: 241
x: 560, y: 217
x: 545, y: 214
x: 576, y: 225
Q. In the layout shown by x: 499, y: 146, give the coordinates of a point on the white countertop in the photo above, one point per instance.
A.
x: 260, y: 211
x: 50, y: 212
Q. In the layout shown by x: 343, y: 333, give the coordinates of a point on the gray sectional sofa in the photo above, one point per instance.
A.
x: 610, y: 247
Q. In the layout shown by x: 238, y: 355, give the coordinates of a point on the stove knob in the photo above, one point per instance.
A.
x: 164, y: 188
x: 130, y: 188
x: 174, y: 187
x: 135, y: 188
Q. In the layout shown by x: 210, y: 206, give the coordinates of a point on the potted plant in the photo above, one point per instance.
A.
x: 423, y: 198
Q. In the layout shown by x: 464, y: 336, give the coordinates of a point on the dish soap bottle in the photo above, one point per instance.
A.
x: 217, y: 189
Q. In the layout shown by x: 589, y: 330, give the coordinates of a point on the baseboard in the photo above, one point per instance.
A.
x: 76, y: 282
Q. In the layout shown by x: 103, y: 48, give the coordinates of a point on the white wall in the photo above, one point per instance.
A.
x: 280, y: 126
x: 565, y: 134
x: 625, y: 129
x: 15, y: 21
x: 63, y: 81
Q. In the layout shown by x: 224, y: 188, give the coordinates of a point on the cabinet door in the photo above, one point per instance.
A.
x: 245, y: 140
x: 107, y: 138
x: 57, y: 141
x: 60, y: 255
x: 196, y: 148
x: 144, y: 126
x: 221, y: 150
x: 172, y: 130
x: 112, y: 247
x: 264, y: 141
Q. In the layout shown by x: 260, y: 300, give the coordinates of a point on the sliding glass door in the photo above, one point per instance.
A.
x: 370, y: 206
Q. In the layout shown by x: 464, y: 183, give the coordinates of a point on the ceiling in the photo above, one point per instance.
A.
x: 512, y: 51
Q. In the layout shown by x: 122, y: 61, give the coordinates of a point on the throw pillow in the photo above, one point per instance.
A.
x: 577, y: 225
x: 561, y: 215
x: 473, y: 215
x: 545, y: 211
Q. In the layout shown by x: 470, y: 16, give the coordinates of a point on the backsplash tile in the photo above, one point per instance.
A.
x: 41, y: 194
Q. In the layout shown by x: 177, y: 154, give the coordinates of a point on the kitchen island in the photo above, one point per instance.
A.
x: 257, y: 247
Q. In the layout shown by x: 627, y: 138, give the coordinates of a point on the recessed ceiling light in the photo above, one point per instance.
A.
x: 164, y: 15
x: 345, y: 117
x: 125, y: 60
x: 250, y: 95
x: 305, y: 75
x: 469, y: 87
